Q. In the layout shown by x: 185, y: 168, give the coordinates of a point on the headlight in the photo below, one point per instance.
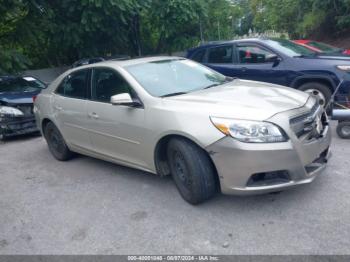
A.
x: 250, y: 131
x: 344, y: 67
x: 10, y: 111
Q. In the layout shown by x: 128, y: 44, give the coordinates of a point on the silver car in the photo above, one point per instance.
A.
x: 173, y: 116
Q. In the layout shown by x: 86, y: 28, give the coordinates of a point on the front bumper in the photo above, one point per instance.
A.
x: 244, y: 167
x: 17, y: 126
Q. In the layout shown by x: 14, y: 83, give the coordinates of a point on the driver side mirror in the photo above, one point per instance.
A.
x: 124, y: 99
x: 275, y: 60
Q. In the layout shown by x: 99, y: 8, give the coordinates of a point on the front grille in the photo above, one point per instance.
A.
x: 302, y: 117
x: 309, y: 125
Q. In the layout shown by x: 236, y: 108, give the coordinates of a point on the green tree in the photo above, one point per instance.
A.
x: 12, y: 12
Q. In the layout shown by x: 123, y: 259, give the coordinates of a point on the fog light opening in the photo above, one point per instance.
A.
x: 269, y: 178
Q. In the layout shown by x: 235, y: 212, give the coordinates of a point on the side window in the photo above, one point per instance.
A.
x: 198, y: 56
x: 254, y: 55
x: 220, y: 55
x: 75, y: 85
x: 107, y: 83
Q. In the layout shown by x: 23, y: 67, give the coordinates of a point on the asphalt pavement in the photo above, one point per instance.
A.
x: 89, y: 206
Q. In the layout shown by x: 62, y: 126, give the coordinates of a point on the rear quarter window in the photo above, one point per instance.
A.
x: 75, y: 85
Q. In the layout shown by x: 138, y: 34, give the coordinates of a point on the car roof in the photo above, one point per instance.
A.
x: 215, y: 43
x: 13, y: 77
x: 130, y: 62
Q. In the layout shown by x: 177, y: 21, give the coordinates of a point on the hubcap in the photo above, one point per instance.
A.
x: 318, y: 94
x: 55, y: 141
x: 181, y: 169
x: 346, y: 130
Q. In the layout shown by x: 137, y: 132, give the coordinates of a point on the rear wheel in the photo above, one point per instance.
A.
x: 343, y: 129
x: 192, y: 170
x: 56, y: 143
x: 321, y: 91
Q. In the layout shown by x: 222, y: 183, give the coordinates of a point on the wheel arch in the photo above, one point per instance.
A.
x: 44, y: 122
x: 299, y: 81
x: 160, y: 156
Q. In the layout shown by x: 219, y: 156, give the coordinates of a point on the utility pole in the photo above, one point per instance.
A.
x: 219, y: 30
x: 201, y: 30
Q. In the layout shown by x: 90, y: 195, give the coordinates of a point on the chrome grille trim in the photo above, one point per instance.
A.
x: 305, y: 125
x: 301, y: 118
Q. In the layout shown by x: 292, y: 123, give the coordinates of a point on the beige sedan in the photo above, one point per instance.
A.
x: 173, y: 116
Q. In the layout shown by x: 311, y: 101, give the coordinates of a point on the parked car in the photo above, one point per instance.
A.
x: 16, y: 104
x: 117, y: 57
x: 276, y: 61
x: 87, y: 61
x: 169, y: 115
x: 322, y: 48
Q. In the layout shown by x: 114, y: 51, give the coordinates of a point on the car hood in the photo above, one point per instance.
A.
x: 18, y: 97
x: 341, y: 57
x: 329, y: 56
x: 241, y: 99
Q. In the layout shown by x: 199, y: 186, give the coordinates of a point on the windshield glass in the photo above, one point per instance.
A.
x: 324, y: 47
x: 20, y: 84
x: 289, y: 48
x: 176, y: 76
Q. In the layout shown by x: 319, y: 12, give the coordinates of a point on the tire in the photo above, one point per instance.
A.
x: 324, y: 94
x: 192, y: 171
x: 343, y: 129
x: 56, y: 143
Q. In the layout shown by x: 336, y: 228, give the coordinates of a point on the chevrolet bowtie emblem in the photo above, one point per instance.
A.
x: 319, y: 125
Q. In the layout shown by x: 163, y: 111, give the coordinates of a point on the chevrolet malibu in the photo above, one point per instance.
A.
x: 173, y: 116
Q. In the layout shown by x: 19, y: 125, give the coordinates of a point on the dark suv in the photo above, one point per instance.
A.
x: 276, y: 61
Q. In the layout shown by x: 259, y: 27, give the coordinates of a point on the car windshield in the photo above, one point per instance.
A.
x: 174, y: 77
x: 20, y: 84
x: 289, y: 48
x: 324, y: 47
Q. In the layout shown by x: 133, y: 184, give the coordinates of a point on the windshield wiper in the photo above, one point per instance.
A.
x: 209, y: 86
x: 230, y: 79
x: 227, y: 79
x: 174, y: 94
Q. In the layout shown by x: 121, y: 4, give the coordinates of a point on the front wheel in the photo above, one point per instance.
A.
x: 343, y: 129
x: 192, y: 170
x: 321, y: 91
x: 56, y: 143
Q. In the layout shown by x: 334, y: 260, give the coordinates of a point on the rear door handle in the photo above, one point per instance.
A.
x: 244, y: 69
x: 93, y: 115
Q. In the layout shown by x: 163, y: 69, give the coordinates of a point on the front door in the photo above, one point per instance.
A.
x: 257, y: 63
x: 116, y: 131
x: 220, y: 58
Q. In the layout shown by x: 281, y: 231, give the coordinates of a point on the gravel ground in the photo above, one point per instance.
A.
x: 88, y: 206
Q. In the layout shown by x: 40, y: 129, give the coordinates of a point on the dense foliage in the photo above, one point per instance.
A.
x: 39, y: 33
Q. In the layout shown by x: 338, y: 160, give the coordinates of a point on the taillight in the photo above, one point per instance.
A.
x: 34, y: 98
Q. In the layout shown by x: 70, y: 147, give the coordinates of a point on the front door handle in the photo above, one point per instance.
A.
x: 93, y: 115
x: 244, y: 69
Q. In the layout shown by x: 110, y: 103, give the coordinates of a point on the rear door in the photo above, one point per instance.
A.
x: 69, y: 106
x: 220, y: 58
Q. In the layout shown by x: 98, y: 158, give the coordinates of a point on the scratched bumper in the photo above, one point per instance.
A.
x: 253, y: 168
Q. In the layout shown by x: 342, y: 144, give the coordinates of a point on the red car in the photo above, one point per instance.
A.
x: 319, y: 47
